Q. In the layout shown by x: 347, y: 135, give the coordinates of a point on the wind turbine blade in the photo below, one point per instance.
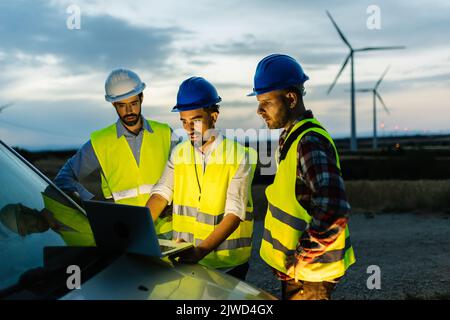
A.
x: 5, y: 106
x: 382, y: 102
x: 379, y: 48
x: 381, y: 78
x: 339, y: 31
x: 339, y: 73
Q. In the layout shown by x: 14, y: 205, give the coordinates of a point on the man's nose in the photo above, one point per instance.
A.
x: 129, y: 108
x: 259, y: 110
x: 189, y: 127
x: 198, y: 126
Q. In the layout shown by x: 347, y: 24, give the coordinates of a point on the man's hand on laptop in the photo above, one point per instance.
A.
x: 191, y: 255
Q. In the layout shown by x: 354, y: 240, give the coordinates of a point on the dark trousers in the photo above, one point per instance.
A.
x: 240, y: 271
x: 305, y: 290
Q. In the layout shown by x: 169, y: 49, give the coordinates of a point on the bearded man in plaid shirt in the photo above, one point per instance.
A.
x: 306, y: 238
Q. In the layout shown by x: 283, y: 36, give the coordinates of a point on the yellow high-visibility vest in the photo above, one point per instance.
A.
x: 196, y: 214
x: 122, y: 179
x: 286, y: 220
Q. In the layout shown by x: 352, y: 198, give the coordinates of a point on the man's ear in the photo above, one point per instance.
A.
x: 142, y: 97
x: 292, y: 99
x: 214, y: 116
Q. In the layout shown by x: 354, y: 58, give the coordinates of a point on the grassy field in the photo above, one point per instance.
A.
x: 386, y: 196
x: 400, y: 196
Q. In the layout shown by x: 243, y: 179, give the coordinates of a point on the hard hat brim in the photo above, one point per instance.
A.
x: 276, y: 87
x: 132, y: 93
x: 179, y: 108
x: 258, y: 92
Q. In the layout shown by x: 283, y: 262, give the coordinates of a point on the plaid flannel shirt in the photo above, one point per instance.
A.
x: 320, y: 191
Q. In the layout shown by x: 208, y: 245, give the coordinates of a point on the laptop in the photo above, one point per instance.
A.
x: 127, y: 228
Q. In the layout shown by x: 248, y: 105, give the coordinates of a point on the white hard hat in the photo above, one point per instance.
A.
x: 122, y: 84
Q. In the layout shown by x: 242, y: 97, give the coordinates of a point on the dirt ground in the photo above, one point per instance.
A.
x: 412, y: 251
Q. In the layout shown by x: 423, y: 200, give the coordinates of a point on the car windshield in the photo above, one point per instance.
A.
x: 33, y: 215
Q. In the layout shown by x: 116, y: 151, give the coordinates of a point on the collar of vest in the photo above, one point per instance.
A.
x: 296, y: 131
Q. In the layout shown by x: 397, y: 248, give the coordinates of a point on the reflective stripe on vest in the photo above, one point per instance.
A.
x: 203, y: 217
x: 226, y: 245
x: 286, y: 220
x: 327, y: 257
x: 122, y: 178
x: 293, y: 222
x: 131, y: 193
x: 195, y: 217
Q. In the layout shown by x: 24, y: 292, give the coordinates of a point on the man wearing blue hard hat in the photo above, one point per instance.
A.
x: 130, y: 153
x: 208, y: 178
x: 306, y: 238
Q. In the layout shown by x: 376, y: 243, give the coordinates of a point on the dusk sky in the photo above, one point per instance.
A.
x: 54, y: 76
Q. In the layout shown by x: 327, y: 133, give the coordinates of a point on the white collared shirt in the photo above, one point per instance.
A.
x: 237, y: 192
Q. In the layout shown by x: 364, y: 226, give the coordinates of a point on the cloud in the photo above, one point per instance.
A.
x: 312, y: 54
x: 42, y: 60
x: 56, y: 75
x: 102, y: 42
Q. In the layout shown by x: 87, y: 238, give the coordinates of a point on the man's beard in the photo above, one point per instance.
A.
x: 280, y: 122
x: 132, y: 120
x: 202, y: 139
x: 199, y: 141
x: 283, y: 117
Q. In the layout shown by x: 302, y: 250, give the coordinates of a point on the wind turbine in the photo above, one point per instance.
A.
x: 375, y: 96
x: 5, y: 106
x: 350, y: 56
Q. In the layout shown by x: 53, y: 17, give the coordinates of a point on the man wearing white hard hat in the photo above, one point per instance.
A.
x: 131, y: 153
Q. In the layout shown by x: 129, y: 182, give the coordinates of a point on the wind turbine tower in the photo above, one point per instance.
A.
x: 350, y: 57
x: 376, y: 95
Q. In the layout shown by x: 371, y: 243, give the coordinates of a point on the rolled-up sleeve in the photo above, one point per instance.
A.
x: 164, y: 187
x: 238, y: 190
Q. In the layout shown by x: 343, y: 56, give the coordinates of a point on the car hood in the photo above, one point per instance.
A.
x: 133, y: 277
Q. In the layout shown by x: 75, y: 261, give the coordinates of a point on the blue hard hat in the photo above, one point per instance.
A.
x: 275, y: 72
x: 195, y: 93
